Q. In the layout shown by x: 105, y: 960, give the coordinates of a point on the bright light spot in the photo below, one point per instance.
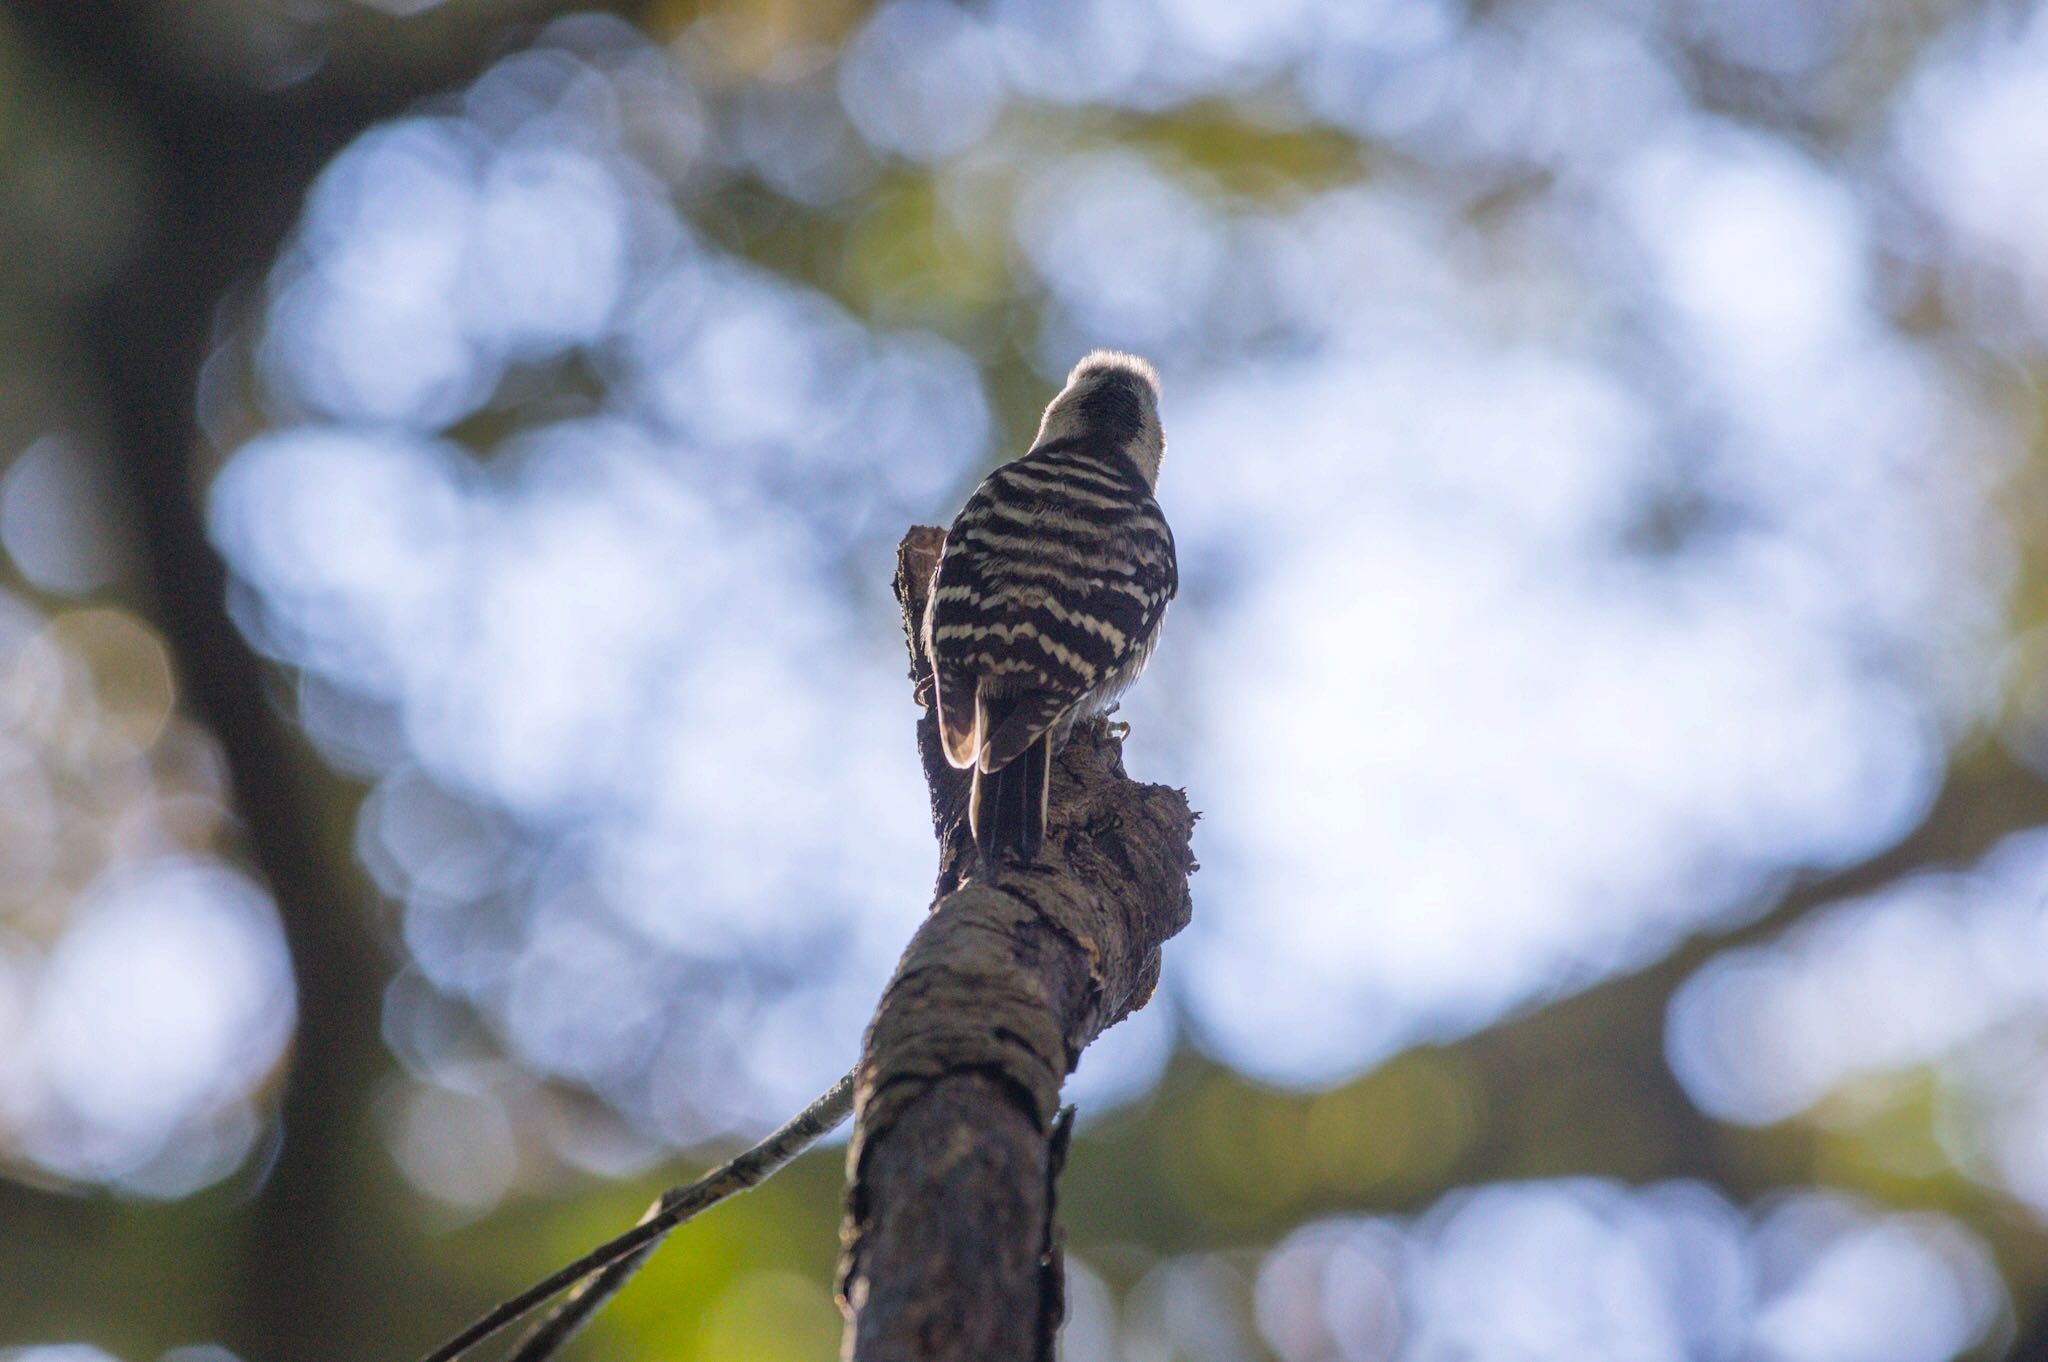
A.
x: 1075, y: 53
x: 365, y: 327
x: 402, y: 8
x: 1938, y: 973
x: 920, y: 79
x: 1899, y: 1289
x: 167, y: 999
x: 1758, y: 250
x: 1874, y: 985
x: 456, y: 1147
x: 1968, y: 134
x: 1088, y: 1333
x: 57, y: 1352
x: 1333, y: 1291
x: 1556, y: 1272
x: 130, y: 673
x: 1189, y: 1307
x: 797, y: 137
x: 55, y: 521
x: 144, y: 994
x: 1077, y: 225
x: 552, y: 204
x: 356, y: 536
x: 198, y: 1352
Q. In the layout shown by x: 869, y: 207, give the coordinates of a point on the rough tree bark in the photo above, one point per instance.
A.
x: 950, y: 1249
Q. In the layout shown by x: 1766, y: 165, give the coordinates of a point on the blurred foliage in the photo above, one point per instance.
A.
x: 598, y: 332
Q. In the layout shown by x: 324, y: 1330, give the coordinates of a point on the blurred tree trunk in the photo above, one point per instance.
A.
x: 228, y: 167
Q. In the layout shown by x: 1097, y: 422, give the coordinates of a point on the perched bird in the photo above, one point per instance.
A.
x: 1049, y: 594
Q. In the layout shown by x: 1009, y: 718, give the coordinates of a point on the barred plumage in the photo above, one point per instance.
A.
x: 1049, y: 594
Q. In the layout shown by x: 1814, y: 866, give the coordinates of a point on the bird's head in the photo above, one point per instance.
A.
x: 1113, y: 397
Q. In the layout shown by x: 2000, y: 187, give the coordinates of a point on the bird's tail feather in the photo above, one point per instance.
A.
x: 1007, y: 811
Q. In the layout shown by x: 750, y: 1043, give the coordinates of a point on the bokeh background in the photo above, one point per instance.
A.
x: 455, y: 757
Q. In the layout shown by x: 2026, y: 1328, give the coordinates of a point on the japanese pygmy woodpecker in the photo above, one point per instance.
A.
x: 1049, y: 595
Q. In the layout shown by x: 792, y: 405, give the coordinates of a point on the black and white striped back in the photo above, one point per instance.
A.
x: 1052, y: 586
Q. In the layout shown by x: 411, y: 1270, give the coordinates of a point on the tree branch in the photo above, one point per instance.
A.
x: 949, y: 1242
x: 615, y: 1261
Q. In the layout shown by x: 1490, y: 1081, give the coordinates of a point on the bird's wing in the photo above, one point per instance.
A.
x: 953, y: 699
x: 1050, y: 590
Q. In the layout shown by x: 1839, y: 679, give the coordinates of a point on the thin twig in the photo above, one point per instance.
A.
x: 549, y: 1336
x: 562, y: 1323
x: 620, y: 1258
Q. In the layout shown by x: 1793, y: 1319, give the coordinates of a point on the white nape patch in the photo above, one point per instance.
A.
x: 1148, y: 449
x: 1096, y: 361
x: 1062, y: 419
